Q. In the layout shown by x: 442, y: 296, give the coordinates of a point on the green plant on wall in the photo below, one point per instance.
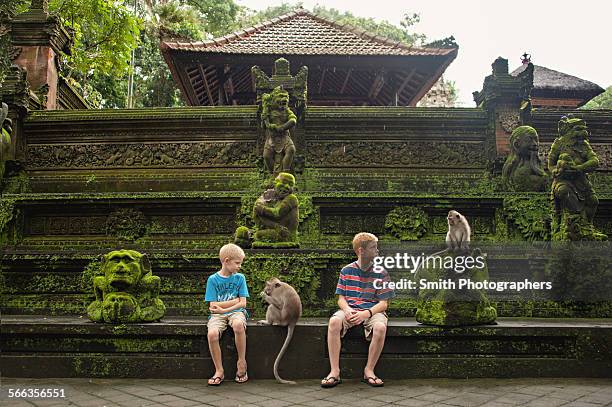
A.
x: 298, y: 271
x: 407, y: 222
x: 530, y: 215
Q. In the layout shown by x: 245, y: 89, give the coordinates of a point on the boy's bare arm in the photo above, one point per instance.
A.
x: 225, y: 304
x: 238, y: 303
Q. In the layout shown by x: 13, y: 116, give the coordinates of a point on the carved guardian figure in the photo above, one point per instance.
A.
x: 127, y: 291
x: 522, y: 170
x: 6, y: 128
x: 570, y: 160
x: 276, y: 217
x: 277, y: 119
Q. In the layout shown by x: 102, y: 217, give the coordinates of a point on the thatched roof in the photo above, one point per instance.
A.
x: 548, y: 83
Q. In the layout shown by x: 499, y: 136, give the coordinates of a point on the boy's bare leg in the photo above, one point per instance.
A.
x: 240, y: 339
x: 333, y: 347
x: 379, y: 332
x: 215, y: 353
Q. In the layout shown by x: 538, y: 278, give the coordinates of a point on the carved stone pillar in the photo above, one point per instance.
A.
x: 506, y: 99
x: 39, y: 39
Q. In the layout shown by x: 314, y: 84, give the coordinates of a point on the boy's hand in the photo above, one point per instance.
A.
x: 215, y: 309
x: 358, y: 317
x: 349, y: 314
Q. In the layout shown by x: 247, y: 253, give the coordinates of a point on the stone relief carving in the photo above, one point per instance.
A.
x: 140, y: 155
x: 414, y: 153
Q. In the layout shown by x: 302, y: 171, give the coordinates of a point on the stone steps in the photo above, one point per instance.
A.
x: 37, y: 346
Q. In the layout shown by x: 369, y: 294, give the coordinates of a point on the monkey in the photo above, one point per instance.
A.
x: 458, y: 235
x: 284, y: 310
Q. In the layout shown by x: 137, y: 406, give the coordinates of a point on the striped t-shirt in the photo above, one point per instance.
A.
x: 357, y: 286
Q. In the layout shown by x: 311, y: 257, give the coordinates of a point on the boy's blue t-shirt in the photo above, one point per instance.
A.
x: 219, y: 289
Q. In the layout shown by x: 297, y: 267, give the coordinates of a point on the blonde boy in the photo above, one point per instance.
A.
x: 227, y: 291
x: 360, y: 304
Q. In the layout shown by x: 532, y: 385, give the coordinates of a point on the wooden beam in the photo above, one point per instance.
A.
x: 377, y: 85
x: 348, y: 75
x: 210, y: 98
x: 322, y: 80
x: 430, y: 82
x: 406, y: 80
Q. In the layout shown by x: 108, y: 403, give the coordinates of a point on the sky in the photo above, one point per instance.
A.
x: 568, y: 36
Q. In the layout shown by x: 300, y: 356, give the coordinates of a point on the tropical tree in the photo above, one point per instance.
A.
x: 603, y: 101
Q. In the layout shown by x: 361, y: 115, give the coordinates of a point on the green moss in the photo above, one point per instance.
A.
x: 530, y: 214
x: 296, y: 270
x: 407, y: 222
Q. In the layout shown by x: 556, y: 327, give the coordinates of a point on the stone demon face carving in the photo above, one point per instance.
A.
x: 279, y: 98
x: 284, y: 184
x: 573, y: 128
x: 124, y: 268
x: 126, y: 290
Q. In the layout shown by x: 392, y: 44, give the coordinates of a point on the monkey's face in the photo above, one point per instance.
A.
x: 122, y: 269
x: 454, y: 218
x: 271, y: 285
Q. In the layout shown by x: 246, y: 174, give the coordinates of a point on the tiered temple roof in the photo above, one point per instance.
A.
x: 347, y: 66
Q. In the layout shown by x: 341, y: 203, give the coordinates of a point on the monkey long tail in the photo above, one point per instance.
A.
x: 280, y: 355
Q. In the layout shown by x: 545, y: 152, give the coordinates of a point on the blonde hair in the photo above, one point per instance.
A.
x: 362, y: 239
x: 231, y: 251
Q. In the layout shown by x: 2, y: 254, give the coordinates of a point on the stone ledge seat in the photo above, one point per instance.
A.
x: 70, y: 346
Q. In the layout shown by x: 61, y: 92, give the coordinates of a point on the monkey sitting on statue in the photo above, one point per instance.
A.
x: 127, y: 291
x: 284, y: 310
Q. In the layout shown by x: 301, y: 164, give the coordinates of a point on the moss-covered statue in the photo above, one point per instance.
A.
x: 5, y: 137
x: 127, y: 291
x: 454, y: 304
x: 523, y: 170
x: 277, y: 119
x: 570, y: 160
x: 276, y: 217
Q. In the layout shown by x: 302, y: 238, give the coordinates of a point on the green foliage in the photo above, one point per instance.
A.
x: 407, y: 222
x: 603, y: 101
x: 530, y: 214
x: 403, y: 33
x: 105, y: 34
x: 93, y: 269
x: 580, y: 272
x: 298, y: 271
x: 7, y: 212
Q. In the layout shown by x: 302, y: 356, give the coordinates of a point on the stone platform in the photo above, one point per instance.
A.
x: 44, y: 346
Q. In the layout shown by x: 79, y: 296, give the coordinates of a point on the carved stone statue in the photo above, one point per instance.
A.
x: 522, y: 170
x: 127, y: 291
x: 277, y: 119
x: 453, y: 306
x: 276, y: 217
x: 570, y: 160
x: 6, y: 127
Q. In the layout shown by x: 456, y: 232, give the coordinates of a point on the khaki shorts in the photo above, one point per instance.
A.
x: 220, y: 321
x: 368, y: 323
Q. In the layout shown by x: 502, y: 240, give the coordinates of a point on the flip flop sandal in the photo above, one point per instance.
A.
x: 334, y: 382
x: 373, y: 381
x: 241, y: 378
x: 216, y: 381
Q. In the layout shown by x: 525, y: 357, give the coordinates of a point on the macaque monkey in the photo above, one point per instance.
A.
x: 458, y: 235
x: 284, y: 310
